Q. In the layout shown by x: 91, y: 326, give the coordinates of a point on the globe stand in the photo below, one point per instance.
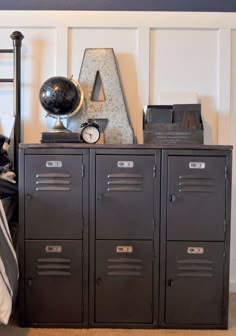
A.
x: 59, y: 127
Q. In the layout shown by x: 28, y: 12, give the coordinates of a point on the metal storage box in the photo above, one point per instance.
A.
x: 170, y: 125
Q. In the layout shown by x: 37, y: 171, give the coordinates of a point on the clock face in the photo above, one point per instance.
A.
x: 90, y: 134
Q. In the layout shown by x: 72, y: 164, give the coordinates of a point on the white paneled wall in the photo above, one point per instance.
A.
x: 156, y: 52
x: 187, y: 60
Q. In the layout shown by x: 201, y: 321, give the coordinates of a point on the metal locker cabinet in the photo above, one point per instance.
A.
x: 53, y: 197
x: 123, y: 292
x: 53, y: 282
x: 196, y: 198
x: 194, y: 283
x: 124, y: 196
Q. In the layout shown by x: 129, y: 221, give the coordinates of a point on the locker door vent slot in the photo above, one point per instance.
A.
x: 194, y: 268
x: 196, y: 183
x: 54, y: 266
x: 125, y: 182
x: 125, y: 267
x: 53, y: 175
x: 53, y: 182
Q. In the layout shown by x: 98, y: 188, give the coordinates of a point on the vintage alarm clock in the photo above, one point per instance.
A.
x: 90, y: 133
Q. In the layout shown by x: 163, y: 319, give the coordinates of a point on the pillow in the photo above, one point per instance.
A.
x: 4, y: 159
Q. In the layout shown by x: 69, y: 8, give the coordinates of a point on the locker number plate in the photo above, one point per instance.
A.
x: 54, y: 164
x: 195, y: 250
x: 197, y: 165
x: 125, y: 164
x: 53, y: 249
x: 124, y: 249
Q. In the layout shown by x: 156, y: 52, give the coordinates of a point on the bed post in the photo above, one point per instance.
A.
x: 17, y: 37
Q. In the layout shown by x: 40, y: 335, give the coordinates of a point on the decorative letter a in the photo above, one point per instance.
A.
x: 104, y: 98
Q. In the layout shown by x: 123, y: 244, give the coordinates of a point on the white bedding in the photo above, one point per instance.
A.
x: 9, y: 272
x: 5, y: 303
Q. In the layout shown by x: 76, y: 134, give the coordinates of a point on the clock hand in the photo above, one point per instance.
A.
x: 88, y: 133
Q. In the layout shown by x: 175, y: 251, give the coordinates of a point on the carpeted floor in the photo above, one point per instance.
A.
x: 13, y: 330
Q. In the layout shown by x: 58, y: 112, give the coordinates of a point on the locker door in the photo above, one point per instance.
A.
x: 54, y: 197
x: 124, y: 194
x: 53, y: 282
x: 194, y: 283
x: 196, y: 198
x: 123, y: 292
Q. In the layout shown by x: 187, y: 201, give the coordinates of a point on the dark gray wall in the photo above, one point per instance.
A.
x: 128, y: 5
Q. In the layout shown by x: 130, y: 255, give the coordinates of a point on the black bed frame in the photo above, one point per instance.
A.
x: 16, y: 37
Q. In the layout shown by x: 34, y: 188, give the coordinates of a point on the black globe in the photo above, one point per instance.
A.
x: 60, y: 96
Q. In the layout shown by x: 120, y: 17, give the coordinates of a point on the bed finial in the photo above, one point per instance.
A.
x: 17, y: 37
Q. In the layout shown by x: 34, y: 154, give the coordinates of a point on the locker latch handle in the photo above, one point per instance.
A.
x: 98, y: 281
x: 29, y: 282
x: 100, y: 197
x: 173, y: 198
x: 28, y: 197
x: 169, y: 282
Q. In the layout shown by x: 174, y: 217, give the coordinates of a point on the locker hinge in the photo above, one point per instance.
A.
x: 153, y: 255
x: 154, y: 171
x: 224, y: 225
x: 153, y: 244
x: 83, y: 226
x: 82, y: 170
x: 224, y: 254
x: 226, y: 172
x: 82, y: 308
x: 223, y: 310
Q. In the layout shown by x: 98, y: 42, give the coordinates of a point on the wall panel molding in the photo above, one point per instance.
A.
x: 224, y: 86
x: 62, y: 51
x: 143, y: 70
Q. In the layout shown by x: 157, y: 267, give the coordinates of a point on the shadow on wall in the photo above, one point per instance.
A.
x: 127, y: 63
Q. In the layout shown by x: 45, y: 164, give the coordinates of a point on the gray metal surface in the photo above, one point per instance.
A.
x: 124, y: 196
x: 124, y: 281
x: 194, y: 283
x: 102, y: 61
x: 53, y: 281
x: 157, y: 282
x: 196, y: 198
x: 53, y: 197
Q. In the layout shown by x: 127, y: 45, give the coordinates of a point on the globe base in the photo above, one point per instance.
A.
x: 59, y: 127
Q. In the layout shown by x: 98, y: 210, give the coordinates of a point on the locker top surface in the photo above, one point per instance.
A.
x: 123, y: 146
